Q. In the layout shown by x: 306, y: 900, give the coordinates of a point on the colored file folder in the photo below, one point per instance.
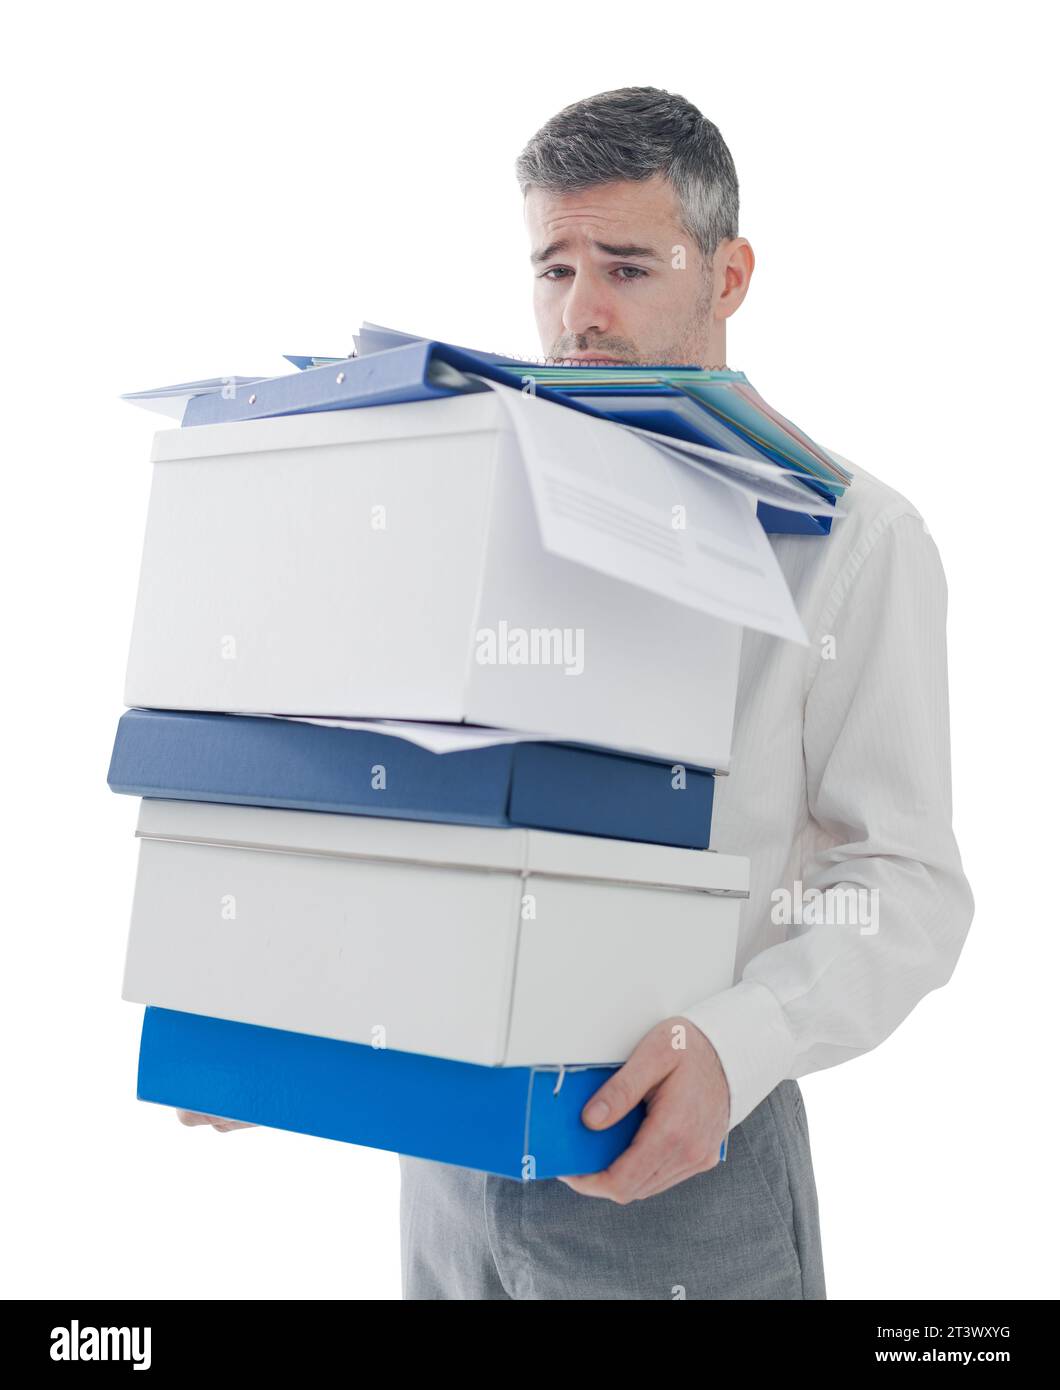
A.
x: 423, y: 370
x: 242, y: 760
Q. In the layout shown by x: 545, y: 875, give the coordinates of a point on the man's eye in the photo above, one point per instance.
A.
x: 622, y: 272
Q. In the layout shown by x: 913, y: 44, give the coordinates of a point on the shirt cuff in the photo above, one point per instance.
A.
x: 749, y: 1032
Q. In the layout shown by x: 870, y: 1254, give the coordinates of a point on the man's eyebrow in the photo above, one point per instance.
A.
x: 629, y: 251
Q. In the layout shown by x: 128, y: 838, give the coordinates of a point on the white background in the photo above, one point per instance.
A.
x: 196, y: 189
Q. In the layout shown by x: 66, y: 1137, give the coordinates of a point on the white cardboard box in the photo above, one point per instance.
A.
x: 341, y: 926
x: 269, y: 585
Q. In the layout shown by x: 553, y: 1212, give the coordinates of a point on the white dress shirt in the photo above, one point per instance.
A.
x: 840, y: 779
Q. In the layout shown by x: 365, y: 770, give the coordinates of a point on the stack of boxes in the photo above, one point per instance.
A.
x: 433, y: 904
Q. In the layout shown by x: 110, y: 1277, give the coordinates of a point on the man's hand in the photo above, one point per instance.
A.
x: 676, y: 1072
x: 192, y: 1117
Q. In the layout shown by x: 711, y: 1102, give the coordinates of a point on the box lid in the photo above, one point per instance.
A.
x: 515, y: 850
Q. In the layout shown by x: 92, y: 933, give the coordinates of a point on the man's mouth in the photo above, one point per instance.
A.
x: 592, y: 357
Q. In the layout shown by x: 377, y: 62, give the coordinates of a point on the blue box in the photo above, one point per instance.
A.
x: 252, y: 761
x: 494, y: 1119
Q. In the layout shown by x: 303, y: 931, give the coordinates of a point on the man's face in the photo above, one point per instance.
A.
x: 617, y: 277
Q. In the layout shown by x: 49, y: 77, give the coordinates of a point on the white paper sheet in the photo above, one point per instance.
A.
x: 171, y: 400
x: 443, y: 738
x: 612, y: 501
x: 436, y: 738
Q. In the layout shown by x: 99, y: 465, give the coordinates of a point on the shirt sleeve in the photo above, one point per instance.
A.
x: 877, y: 753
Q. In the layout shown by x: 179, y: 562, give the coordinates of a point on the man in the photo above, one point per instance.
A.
x: 839, y: 781
x: 839, y: 790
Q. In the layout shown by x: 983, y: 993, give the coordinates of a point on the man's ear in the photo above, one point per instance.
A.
x: 734, y: 264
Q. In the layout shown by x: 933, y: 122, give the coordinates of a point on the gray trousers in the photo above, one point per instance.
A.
x: 747, y: 1229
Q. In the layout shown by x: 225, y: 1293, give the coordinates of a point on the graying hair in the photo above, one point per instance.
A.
x: 633, y: 133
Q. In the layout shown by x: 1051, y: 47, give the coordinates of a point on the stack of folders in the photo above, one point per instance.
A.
x: 428, y: 694
x: 675, y: 407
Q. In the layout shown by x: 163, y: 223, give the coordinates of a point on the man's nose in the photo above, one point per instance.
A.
x: 586, y: 309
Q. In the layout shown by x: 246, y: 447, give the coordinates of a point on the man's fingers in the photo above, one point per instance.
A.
x: 673, y: 1142
x: 665, y: 1181
x: 649, y: 1063
x: 653, y: 1146
x: 686, y: 1163
x: 193, y: 1117
x: 666, y: 1178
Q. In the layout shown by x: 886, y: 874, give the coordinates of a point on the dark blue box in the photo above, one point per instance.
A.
x: 251, y: 761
